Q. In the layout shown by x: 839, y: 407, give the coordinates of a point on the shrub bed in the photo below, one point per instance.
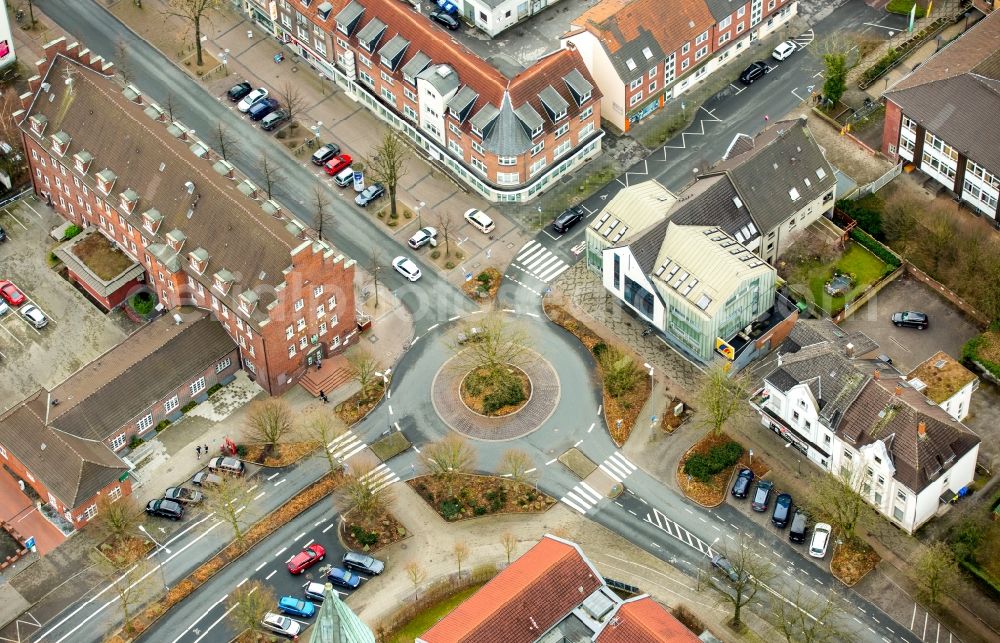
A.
x: 478, y: 496
x: 719, y: 458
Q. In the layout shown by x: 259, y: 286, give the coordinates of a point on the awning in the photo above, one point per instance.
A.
x: 948, y: 497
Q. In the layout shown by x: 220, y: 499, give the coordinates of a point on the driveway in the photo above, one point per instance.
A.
x: 908, y: 347
x: 77, y: 332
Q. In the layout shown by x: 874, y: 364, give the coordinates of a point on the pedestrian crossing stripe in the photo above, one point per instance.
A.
x: 539, y: 262
x: 379, y: 478
x: 617, y: 466
x: 345, y: 445
x: 582, y: 497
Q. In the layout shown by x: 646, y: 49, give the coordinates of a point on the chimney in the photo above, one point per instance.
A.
x: 849, y: 351
x: 921, y: 430
x: 898, y: 391
x: 877, y: 374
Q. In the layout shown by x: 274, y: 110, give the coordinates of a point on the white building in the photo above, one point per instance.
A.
x: 493, y: 16
x: 946, y: 383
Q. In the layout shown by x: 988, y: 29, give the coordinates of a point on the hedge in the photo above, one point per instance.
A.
x: 970, y: 354
x: 903, y: 7
x: 875, y: 247
x: 718, y: 459
x: 985, y: 578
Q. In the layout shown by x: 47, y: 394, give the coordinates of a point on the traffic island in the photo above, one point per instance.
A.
x: 467, y: 495
x: 370, y: 533
x: 484, y: 287
x: 705, y: 470
x: 852, y: 560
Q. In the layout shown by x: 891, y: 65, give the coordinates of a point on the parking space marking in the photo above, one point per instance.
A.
x: 28, y: 205
x: 15, y: 218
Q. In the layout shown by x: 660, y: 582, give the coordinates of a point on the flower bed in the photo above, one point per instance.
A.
x: 484, y: 287
x: 712, y: 492
x: 479, y: 496
x: 356, y: 407
x: 496, y: 394
x: 282, y: 455
x: 852, y: 561
x: 371, y: 533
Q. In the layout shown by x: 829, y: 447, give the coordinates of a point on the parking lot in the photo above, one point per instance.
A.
x: 77, y: 331
x: 908, y: 347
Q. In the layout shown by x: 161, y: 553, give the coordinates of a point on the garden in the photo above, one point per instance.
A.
x: 704, y: 472
x: 467, y: 495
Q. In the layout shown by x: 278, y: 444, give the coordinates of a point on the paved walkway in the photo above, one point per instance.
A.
x: 18, y: 510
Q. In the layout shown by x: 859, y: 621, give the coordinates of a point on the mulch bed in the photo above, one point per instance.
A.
x: 625, y: 408
x: 670, y: 422
x: 713, y: 492
x: 852, y: 561
x: 284, y: 455
x: 386, y: 528
x: 357, y: 406
x: 471, y: 287
x: 476, y: 495
x: 475, y: 402
x: 124, y: 551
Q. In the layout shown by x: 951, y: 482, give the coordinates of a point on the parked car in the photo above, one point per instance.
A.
x: 407, y: 268
x: 262, y: 108
x: 231, y: 466
x: 239, y: 91
x: 183, y: 495
x: 753, y: 72
x: 4, y: 308
x: 782, y: 510
x: 473, y: 334
x: 422, y: 237
x: 11, y: 293
x: 206, y: 479
x: 345, y: 177
x: 296, y: 607
x: 363, y: 563
x: 909, y: 319
x: 165, y: 509
x: 251, y: 99
x: 338, y: 163
x: 325, y: 153
x: 369, y: 194
x: 784, y: 50
x: 741, y: 487
x: 34, y: 316
x: 479, y: 220
x: 344, y: 578
x: 761, y: 495
x: 568, y: 218
x: 722, y: 563
x: 315, y: 592
x: 281, y: 625
x: 445, y: 20
x: 800, y: 524
x: 272, y: 120
x: 820, y: 540
x: 306, y: 558
x: 3, y: 234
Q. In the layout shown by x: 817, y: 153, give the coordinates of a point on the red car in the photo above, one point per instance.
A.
x: 10, y: 293
x: 306, y: 558
x: 337, y: 164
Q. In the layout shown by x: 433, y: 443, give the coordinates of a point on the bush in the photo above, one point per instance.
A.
x: 480, y: 510
x: 366, y: 538
x: 449, y: 264
x: 483, y: 278
x: 875, y: 247
x: 212, y: 389
x: 187, y: 407
x: 970, y: 353
x: 599, y: 349
x: 458, y: 254
x: 507, y: 391
x: 621, y: 374
x: 162, y: 425
x: 143, y: 302
x: 136, y: 441
x: 435, y: 254
x: 450, y: 508
x: 719, y: 458
x: 71, y: 232
x: 394, y: 215
x: 867, y: 212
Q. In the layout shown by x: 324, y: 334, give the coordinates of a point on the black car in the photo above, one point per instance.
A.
x: 753, y: 72
x: 3, y: 234
x: 569, y: 218
x: 782, y: 510
x: 262, y: 108
x: 445, y: 20
x: 363, y: 563
x: 275, y: 118
x: 237, y: 92
x: 722, y: 563
x: 369, y: 194
x: 911, y: 319
x: 165, y: 508
x: 762, y: 495
x: 800, y: 522
x: 325, y: 153
x: 742, y: 484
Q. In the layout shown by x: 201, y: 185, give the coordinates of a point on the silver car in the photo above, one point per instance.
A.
x: 281, y: 625
x: 251, y: 99
x: 34, y: 316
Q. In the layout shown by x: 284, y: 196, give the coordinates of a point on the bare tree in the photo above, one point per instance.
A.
x: 292, y: 98
x: 416, y: 574
x: 509, y: 542
x: 448, y: 457
x: 270, y: 173
x: 268, y: 421
x: 367, y: 496
x: 225, y: 501
x: 15, y: 163
x: 124, y: 577
x: 837, y: 497
x: 374, y: 268
x: 193, y: 12
x: 224, y: 141
x: 363, y: 368
x: 31, y: 14
x: 461, y: 552
x: 123, y: 63
x: 747, y: 576
x: 387, y: 164
x: 248, y: 604
x: 445, y: 222
x: 719, y: 397
x: 116, y: 520
x: 936, y: 572
x: 498, y: 343
x: 807, y: 619
x: 324, y: 427
x: 170, y: 105
x: 515, y: 466
x: 321, y: 204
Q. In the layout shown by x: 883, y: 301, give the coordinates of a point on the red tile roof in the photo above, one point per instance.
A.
x: 618, y: 22
x: 525, y: 600
x: 643, y: 620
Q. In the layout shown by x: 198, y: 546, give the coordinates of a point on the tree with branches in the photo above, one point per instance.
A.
x: 461, y: 552
x: 509, y: 543
x: 224, y: 142
x: 374, y: 267
x: 387, y: 164
x: 224, y: 500
x: 498, y: 342
x: 835, y: 54
x: 447, y: 458
x: 621, y: 373
x: 124, y: 577
x: 417, y: 575
x: 123, y: 62
x: 270, y: 174
x: 445, y: 223
x: 116, y: 520
x: 170, y: 105
x: 515, y: 465
x: 321, y: 205
x: 809, y: 619
x: 292, y: 99
x: 368, y: 497
x: 268, y: 421
x: 838, y: 498
x: 749, y: 575
x: 324, y: 427
x: 720, y: 397
x: 193, y: 12
x: 14, y: 164
x: 248, y: 605
x: 936, y: 572
x: 364, y: 367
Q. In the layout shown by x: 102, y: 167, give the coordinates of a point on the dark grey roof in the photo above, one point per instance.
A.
x: 349, y: 15
x: 323, y: 10
x: 462, y: 101
x: 781, y: 380
x: 486, y: 114
x: 741, y: 143
x: 577, y: 83
x: 442, y: 77
x: 783, y: 159
x: 722, y: 8
x: 371, y: 32
x: 710, y: 201
x: 838, y: 379
x: 808, y: 332
x: 507, y: 137
x: 646, y: 245
x: 531, y: 119
x: 416, y: 64
x: 633, y: 51
x: 553, y: 102
x: 393, y: 50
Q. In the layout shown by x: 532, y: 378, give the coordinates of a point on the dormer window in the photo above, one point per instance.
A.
x: 132, y: 94
x: 248, y: 301
x: 38, y: 123
x: 128, y: 200
x: 223, y: 281
x: 323, y: 11
x: 349, y: 17
x: 585, y: 98
x: 60, y: 143
x: 561, y: 115
x: 476, y: 131
x: 537, y: 131
x: 151, y: 220
x: 106, y: 180
x: 176, y: 239
x: 198, y: 260
x: 82, y: 161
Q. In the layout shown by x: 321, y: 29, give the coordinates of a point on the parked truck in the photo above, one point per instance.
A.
x: 183, y: 495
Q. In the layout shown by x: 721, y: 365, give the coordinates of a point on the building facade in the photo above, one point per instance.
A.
x: 507, y: 138
x: 108, y: 157
x: 494, y: 16
x: 642, y: 57
x: 944, y: 381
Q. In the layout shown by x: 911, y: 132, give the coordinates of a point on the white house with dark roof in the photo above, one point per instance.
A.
x: 944, y: 381
x: 493, y: 16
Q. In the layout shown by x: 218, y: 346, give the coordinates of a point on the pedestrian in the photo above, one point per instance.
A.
x: 766, y: 118
x: 323, y: 397
x: 198, y: 451
x: 206, y: 450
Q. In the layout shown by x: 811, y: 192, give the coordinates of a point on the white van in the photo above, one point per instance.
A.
x: 479, y: 220
x: 344, y: 177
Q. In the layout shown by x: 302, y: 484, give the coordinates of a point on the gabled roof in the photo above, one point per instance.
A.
x: 638, y: 34
x: 784, y: 170
x: 834, y: 379
x: 525, y: 600
x: 642, y: 620
x: 635, y: 208
x: 895, y: 416
x: 954, y: 90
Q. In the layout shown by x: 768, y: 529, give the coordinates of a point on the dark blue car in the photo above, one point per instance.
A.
x: 262, y: 108
x: 742, y: 484
x: 344, y: 578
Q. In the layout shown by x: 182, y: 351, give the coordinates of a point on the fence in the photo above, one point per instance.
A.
x: 877, y: 184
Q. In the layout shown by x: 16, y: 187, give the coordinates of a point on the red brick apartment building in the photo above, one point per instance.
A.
x: 507, y: 138
x: 642, y: 54
x: 108, y: 157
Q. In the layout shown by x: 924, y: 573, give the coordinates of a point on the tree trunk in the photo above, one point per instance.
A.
x: 392, y: 200
x: 197, y: 41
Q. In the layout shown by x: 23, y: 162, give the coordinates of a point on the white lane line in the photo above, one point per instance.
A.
x: 451, y: 319
x: 587, y: 490
x: 273, y: 572
x: 572, y: 504
x: 280, y: 481
x: 250, y: 490
x: 551, y: 461
x: 592, y: 425
x: 240, y: 584
x: 432, y: 327
x: 259, y: 495
x: 216, y: 622
x: 328, y: 527
x: 509, y: 310
x: 259, y: 567
x: 280, y: 551
x: 531, y: 470
x: 529, y: 245
x: 299, y: 536
x: 273, y: 476
x: 240, y: 510
x: 578, y: 443
x: 535, y: 315
x: 599, y: 409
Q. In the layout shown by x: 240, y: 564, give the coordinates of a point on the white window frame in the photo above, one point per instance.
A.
x: 145, y: 423
x: 223, y: 364
x: 197, y: 386
x: 171, y: 404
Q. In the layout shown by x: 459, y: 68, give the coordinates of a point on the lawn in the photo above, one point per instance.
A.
x: 97, y: 253
x: 856, y: 260
x: 426, y: 619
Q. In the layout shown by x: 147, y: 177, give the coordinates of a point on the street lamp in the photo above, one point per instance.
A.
x: 539, y: 216
x: 651, y: 381
x: 751, y: 457
x: 159, y: 547
x: 420, y: 223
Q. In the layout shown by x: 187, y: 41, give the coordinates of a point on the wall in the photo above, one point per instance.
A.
x: 959, y: 475
x: 978, y: 318
x: 113, y: 300
x: 856, y: 305
x: 631, y: 269
x: 613, y: 100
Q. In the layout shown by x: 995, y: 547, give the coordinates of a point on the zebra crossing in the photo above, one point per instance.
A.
x: 661, y: 522
x: 582, y: 497
x: 616, y: 466
x: 539, y: 262
x: 345, y: 445
x: 379, y: 478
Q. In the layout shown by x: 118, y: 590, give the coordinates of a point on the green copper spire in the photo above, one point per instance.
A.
x: 336, y: 623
